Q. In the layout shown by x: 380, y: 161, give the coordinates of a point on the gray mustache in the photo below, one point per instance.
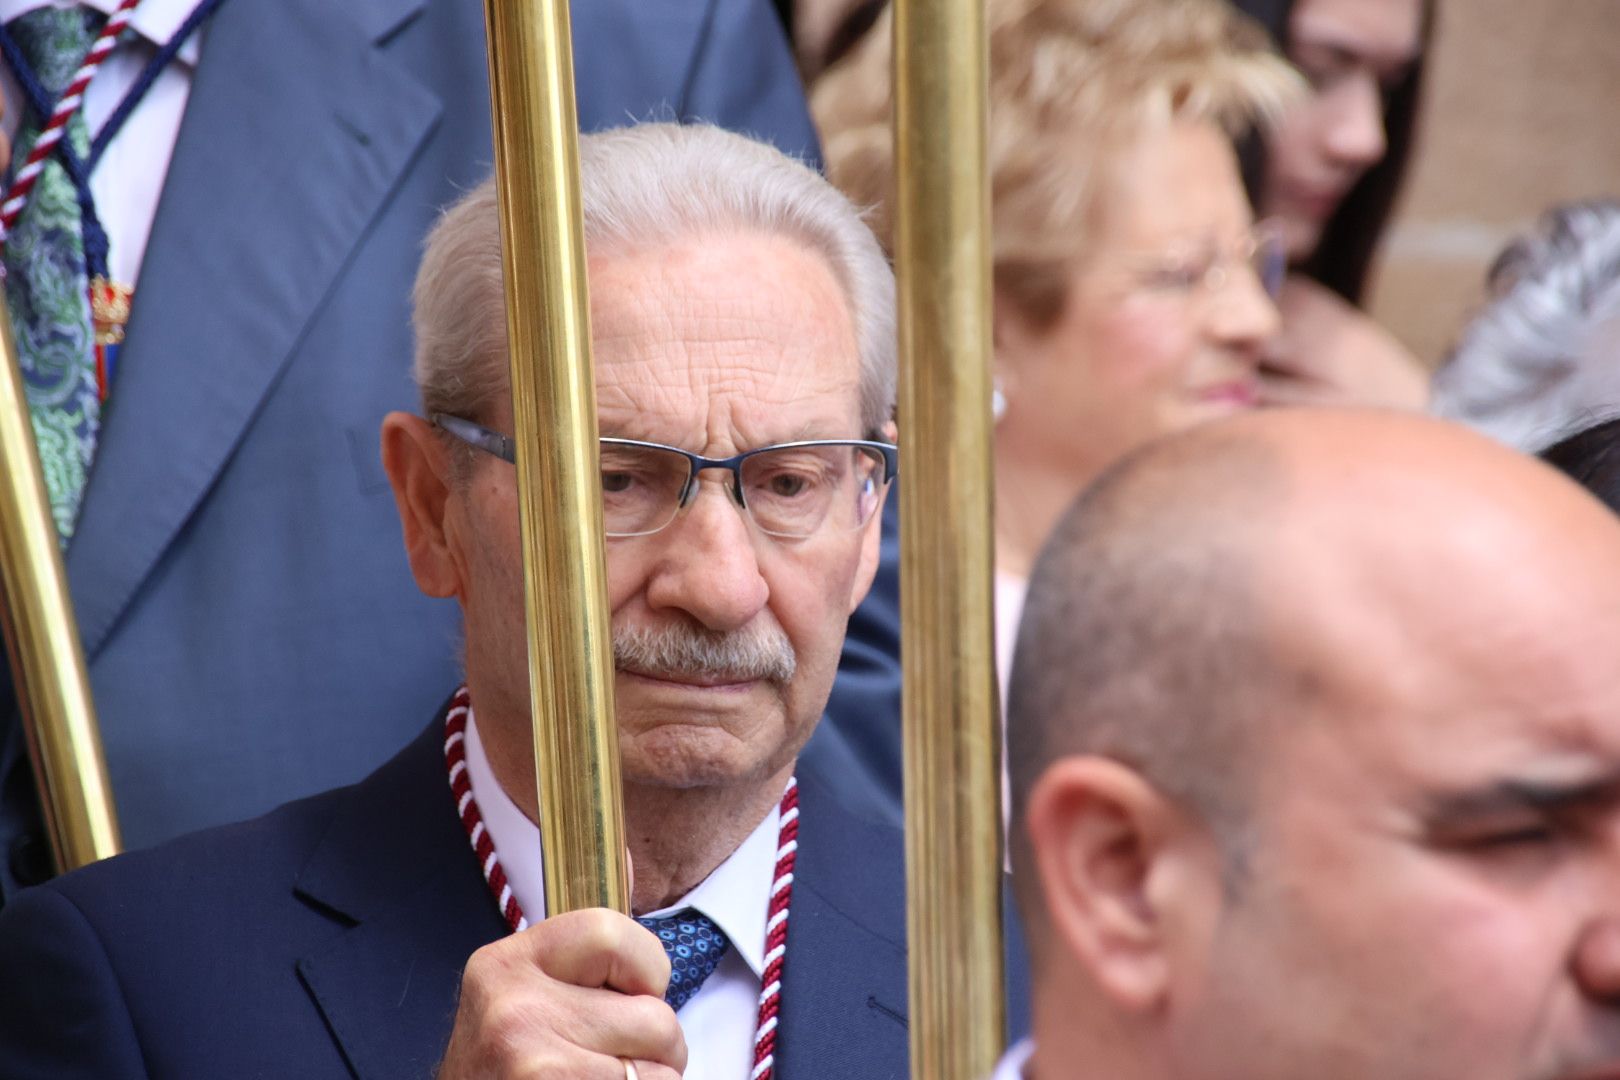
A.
x: 739, y: 655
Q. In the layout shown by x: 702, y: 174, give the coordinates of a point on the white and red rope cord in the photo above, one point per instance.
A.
x: 776, y: 927
x: 72, y: 97
x: 781, y: 896
x: 455, y: 758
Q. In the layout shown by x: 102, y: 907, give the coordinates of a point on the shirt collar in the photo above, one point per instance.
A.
x: 155, y: 20
x: 735, y: 896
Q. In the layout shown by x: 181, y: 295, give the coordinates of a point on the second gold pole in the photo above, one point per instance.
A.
x: 554, y: 419
x: 952, y: 732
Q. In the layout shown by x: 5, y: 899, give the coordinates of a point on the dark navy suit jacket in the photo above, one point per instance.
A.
x: 327, y: 939
x: 251, y: 626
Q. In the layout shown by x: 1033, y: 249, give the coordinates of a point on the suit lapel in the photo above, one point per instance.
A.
x: 844, y: 976
x: 396, y: 866
x: 296, y: 130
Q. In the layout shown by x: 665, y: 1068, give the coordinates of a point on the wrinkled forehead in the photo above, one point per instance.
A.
x: 741, y: 339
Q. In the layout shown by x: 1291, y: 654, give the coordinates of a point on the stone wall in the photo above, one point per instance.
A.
x: 1522, y: 111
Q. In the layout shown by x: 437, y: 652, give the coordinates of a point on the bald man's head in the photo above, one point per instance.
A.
x: 1165, y: 617
x: 1142, y: 635
x: 1369, y: 625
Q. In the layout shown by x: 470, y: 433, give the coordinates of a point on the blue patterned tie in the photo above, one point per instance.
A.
x: 694, y: 946
x: 48, y: 290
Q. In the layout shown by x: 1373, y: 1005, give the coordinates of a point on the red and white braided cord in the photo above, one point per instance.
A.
x: 72, y: 97
x: 455, y: 758
x: 776, y: 924
x: 776, y: 928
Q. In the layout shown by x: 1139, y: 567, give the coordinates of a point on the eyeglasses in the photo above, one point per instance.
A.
x: 790, y: 490
x: 1208, y: 270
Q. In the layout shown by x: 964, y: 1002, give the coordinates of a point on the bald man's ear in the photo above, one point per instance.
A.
x: 872, y: 537
x: 1109, y: 850
x: 414, y: 457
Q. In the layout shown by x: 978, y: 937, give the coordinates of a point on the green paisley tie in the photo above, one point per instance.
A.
x: 47, y: 289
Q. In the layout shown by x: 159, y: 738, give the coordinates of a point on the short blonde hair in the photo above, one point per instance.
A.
x: 1072, y: 83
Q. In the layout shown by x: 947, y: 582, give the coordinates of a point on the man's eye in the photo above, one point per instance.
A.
x: 616, y: 483
x: 1510, y: 838
x: 787, y: 485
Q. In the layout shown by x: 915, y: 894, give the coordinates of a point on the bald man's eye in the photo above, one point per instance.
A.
x: 1519, y: 836
x: 1499, y: 836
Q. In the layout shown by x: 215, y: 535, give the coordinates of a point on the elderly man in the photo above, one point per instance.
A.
x: 743, y: 326
x: 1315, y: 739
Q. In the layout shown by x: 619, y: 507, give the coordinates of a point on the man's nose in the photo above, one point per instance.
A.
x: 709, y: 566
x: 1355, y: 133
x: 1597, y: 960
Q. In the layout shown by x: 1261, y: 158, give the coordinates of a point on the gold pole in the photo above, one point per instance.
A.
x: 952, y: 733
x: 554, y: 419
x: 42, y: 641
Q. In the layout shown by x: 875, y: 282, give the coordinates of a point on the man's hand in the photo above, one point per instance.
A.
x: 567, y: 998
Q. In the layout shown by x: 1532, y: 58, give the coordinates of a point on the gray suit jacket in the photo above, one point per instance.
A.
x: 251, y: 626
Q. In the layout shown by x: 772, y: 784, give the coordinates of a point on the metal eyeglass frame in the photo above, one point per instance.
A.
x: 1263, y: 236
x: 491, y: 442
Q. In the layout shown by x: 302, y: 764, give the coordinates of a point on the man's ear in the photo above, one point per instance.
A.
x: 414, y: 457
x: 872, y: 537
x: 1105, y: 844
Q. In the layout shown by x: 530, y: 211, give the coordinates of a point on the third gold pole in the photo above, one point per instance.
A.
x: 554, y: 421
x: 52, y: 687
x: 952, y: 731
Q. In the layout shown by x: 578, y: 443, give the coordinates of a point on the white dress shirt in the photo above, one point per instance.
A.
x: 1011, y: 1066
x: 719, y: 1019
x: 129, y: 178
x: 1011, y: 591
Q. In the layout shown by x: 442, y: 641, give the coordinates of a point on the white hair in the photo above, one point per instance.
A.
x: 641, y: 186
x: 1543, y: 356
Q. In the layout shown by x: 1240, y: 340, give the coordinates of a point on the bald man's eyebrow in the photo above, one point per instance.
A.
x: 1523, y: 795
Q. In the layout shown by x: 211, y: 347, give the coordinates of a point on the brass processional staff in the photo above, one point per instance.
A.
x: 51, y: 684
x: 952, y: 731
x: 576, y: 746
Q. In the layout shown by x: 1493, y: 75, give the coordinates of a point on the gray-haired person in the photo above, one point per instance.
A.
x: 1542, y: 357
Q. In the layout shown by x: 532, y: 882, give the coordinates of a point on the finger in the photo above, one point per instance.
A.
x: 601, y: 948
x: 619, y: 1025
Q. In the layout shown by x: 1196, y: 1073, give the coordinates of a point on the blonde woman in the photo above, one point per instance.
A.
x: 1133, y: 290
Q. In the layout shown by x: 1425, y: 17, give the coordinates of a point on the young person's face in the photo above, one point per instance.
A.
x: 1353, y: 53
